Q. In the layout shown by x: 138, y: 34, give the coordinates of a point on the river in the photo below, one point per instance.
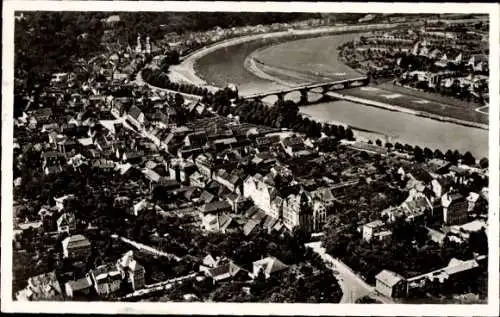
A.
x: 298, y: 59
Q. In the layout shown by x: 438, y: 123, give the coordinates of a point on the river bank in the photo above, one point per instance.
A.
x: 227, y: 65
x: 188, y: 71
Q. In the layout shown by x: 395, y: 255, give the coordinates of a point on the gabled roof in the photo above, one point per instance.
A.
x: 134, y: 112
x: 270, y: 265
x: 215, y: 206
x: 66, y: 219
x: 250, y: 227
x: 76, y: 241
x: 389, y: 278
x: 206, y: 197
x: 80, y: 284
x: 224, y: 271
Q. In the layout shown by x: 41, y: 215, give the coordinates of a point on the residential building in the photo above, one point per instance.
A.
x: 107, y: 279
x: 216, y: 207
x: 137, y: 117
x: 66, y: 223
x: 262, y: 192
x: 76, y: 247
x: 60, y: 201
x: 80, y: 287
x: 390, y: 284
x: 269, y: 266
x: 219, y: 269
x: 454, y: 208
x: 375, y: 230
x: 41, y: 287
x: 133, y: 272
x: 216, y: 222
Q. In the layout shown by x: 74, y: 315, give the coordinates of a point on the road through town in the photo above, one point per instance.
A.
x: 353, y: 287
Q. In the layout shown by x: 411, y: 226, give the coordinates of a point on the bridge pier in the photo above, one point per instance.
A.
x: 326, y: 89
x: 281, y: 97
x: 303, y: 97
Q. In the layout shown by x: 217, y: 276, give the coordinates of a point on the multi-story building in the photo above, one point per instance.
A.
x: 263, y: 194
x: 298, y: 211
x: 454, y: 209
x: 107, y: 278
x: 132, y: 271
x: 76, y: 247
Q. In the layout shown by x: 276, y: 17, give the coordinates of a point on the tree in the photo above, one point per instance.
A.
x: 483, y: 163
x: 349, y: 134
x: 179, y: 99
x: 468, y: 159
x: 449, y: 156
x: 438, y: 154
x: 428, y: 153
x: 418, y: 154
x: 378, y: 142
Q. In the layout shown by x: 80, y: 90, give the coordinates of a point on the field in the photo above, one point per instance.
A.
x: 419, y: 101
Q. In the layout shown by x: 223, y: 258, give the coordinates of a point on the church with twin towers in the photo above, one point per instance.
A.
x: 139, y: 49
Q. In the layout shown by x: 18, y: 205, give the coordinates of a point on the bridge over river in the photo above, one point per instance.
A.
x: 324, y: 88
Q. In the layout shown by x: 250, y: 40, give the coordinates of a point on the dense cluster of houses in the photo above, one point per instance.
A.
x: 431, y: 193
x: 102, y: 281
x: 446, y: 53
x: 230, y: 173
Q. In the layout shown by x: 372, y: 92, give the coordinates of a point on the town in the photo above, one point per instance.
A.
x: 131, y: 185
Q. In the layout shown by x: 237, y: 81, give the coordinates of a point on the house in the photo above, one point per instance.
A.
x: 262, y: 192
x: 133, y: 272
x: 219, y: 269
x: 66, y: 223
x: 215, y: 207
x: 295, y: 147
x: 455, y: 269
x: 218, y: 222
x: 42, y: 115
x: 41, y: 287
x: 60, y: 201
x: 466, y: 229
x: 236, y: 201
x: 80, y: 287
x: 415, y: 207
x: 374, y: 230
x: 196, y: 139
x: 441, y: 186
x: 269, y: 266
x: 231, y: 181
x: 144, y: 205
x: 197, y: 180
x: 76, y: 247
x: 455, y: 208
x: 107, y: 279
x: 366, y: 147
x: 137, y: 117
x: 390, y: 284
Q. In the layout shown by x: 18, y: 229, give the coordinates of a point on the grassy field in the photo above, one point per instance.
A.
x: 420, y: 101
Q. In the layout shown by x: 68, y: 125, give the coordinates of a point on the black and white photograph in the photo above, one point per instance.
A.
x: 194, y: 155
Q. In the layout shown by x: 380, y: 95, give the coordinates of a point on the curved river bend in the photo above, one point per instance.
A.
x: 319, y: 54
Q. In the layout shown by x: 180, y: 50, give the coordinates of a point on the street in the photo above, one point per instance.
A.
x: 353, y: 287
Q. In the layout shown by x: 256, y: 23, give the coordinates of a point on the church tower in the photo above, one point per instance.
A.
x: 138, y: 48
x: 148, y: 45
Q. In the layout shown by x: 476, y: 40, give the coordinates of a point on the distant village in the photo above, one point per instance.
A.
x: 166, y: 172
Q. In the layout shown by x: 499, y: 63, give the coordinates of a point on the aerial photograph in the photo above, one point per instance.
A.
x: 261, y: 157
